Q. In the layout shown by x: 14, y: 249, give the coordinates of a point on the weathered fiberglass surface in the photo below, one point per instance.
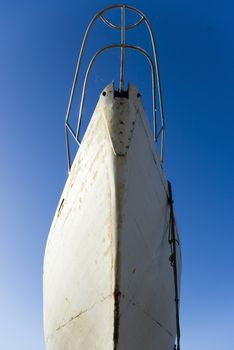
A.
x: 108, y: 281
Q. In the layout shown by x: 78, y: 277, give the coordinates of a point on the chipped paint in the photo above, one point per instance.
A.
x: 119, y: 115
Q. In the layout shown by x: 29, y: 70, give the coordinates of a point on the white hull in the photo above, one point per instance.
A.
x: 108, y: 281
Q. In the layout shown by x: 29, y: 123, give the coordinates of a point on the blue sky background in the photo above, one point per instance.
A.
x: 39, y: 45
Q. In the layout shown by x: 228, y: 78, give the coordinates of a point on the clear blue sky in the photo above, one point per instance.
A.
x: 39, y: 44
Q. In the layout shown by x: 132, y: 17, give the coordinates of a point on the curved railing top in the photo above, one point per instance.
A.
x: 122, y: 46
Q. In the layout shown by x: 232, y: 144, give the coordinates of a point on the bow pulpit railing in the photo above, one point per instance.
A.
x: 123, y: 46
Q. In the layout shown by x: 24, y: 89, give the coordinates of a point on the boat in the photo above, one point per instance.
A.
x: 112, y: 264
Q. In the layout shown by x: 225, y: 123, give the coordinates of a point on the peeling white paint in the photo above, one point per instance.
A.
x: 110, y: 233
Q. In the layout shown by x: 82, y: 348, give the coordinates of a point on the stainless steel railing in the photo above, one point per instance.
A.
x: 156, y: 84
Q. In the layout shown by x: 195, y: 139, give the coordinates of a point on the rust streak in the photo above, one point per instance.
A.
x: 82, y: 312
x: 133, y: 303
